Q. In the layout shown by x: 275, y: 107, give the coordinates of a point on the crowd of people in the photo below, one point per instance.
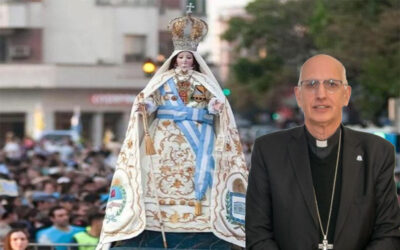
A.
x: 62, y: 191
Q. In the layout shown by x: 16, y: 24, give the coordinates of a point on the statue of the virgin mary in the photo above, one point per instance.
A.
x: 195, y: 179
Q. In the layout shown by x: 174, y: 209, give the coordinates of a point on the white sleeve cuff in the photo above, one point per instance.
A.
x: 150, y: 106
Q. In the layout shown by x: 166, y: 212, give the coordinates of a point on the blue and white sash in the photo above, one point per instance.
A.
x: 201, y: 138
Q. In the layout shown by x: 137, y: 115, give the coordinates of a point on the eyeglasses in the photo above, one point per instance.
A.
x: 331, y: 85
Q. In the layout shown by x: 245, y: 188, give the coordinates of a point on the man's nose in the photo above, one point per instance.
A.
x: 320, y: 91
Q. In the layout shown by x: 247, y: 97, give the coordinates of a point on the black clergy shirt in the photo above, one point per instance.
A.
x: 323, y: 163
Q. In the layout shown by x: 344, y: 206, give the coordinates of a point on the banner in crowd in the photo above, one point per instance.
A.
x: 8, y: 188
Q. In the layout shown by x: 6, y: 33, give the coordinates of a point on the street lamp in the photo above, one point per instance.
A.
x: 149, y: 67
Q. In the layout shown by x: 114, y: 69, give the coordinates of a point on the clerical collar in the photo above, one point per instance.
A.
x: 322, y: 148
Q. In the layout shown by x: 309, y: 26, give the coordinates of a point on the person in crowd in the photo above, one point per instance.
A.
x: 186, y: 179
x: 7, y: 217
x: 28, y: 143
x: 90, y: 237
x: 61, y: 231
x: 68, y: 202
x: 80, y: 213
x: 43, y: 202
x: 16, y: 239
x: 67, y: 151
x: 12, y: 147
x: 27, y: 217
x: 4, y: 171
x: 322, y: 185
x: 50, y: 188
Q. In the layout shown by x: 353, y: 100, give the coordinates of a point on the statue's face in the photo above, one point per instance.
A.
x: 184, y: 60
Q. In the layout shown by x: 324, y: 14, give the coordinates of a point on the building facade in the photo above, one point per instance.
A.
x: 221, y: 53
x: 59, y: 56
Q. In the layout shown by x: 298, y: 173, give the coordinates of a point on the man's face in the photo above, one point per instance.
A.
x: 60, y: 218
x: 322, y: 107
x: 67, y: 205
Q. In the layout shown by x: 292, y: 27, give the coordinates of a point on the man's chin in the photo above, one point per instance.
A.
x: 321, y: 121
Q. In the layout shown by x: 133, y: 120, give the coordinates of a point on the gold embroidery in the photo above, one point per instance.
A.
x: 186, y: 216
x: 180, y: 139
x: 238, y: 186
x: 174, y: 218
x: 183, y: 90
x: 165, y: 170
x: 177, y: 184
x: 197, y: 30
x: 166, y: 123
x: 116, y: 182
x: 177, y: 27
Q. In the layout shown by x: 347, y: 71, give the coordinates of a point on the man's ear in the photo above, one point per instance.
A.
x: 298, y: 96
x: 347, y: 95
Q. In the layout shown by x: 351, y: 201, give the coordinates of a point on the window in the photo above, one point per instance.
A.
x: 11, y: 122
x: 134, y: 48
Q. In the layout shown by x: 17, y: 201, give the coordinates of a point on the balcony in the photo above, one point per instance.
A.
x: 145, y: 3
x: 21, y: 14
x: 26, y: 76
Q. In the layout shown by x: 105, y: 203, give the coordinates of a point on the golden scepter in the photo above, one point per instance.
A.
x: 147, y: 139
x: 150, y: 150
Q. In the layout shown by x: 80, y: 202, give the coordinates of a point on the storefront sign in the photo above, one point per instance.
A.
x: 112, y: 99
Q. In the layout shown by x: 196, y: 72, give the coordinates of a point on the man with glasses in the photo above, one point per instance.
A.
x: 322, y: 185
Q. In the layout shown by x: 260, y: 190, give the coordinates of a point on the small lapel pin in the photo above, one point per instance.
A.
x: 359, y: 158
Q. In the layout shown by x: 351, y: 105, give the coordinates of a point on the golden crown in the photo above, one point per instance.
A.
x: 187, y: 31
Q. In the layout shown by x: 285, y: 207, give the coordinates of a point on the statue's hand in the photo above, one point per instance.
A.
x: 147, y: 107
x: 140, y: 107
x: 219, y: 106
x: 215, y: 106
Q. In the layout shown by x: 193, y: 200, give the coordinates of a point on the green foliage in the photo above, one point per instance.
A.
x: 363, y: 34
x: 318, y: 23
x: 259, y: 75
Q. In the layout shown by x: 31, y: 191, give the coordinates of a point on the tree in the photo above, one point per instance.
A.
x: 364, y: 35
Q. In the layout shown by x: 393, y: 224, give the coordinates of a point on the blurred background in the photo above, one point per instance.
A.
x: 79, y: 64
x: 70, y: 69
